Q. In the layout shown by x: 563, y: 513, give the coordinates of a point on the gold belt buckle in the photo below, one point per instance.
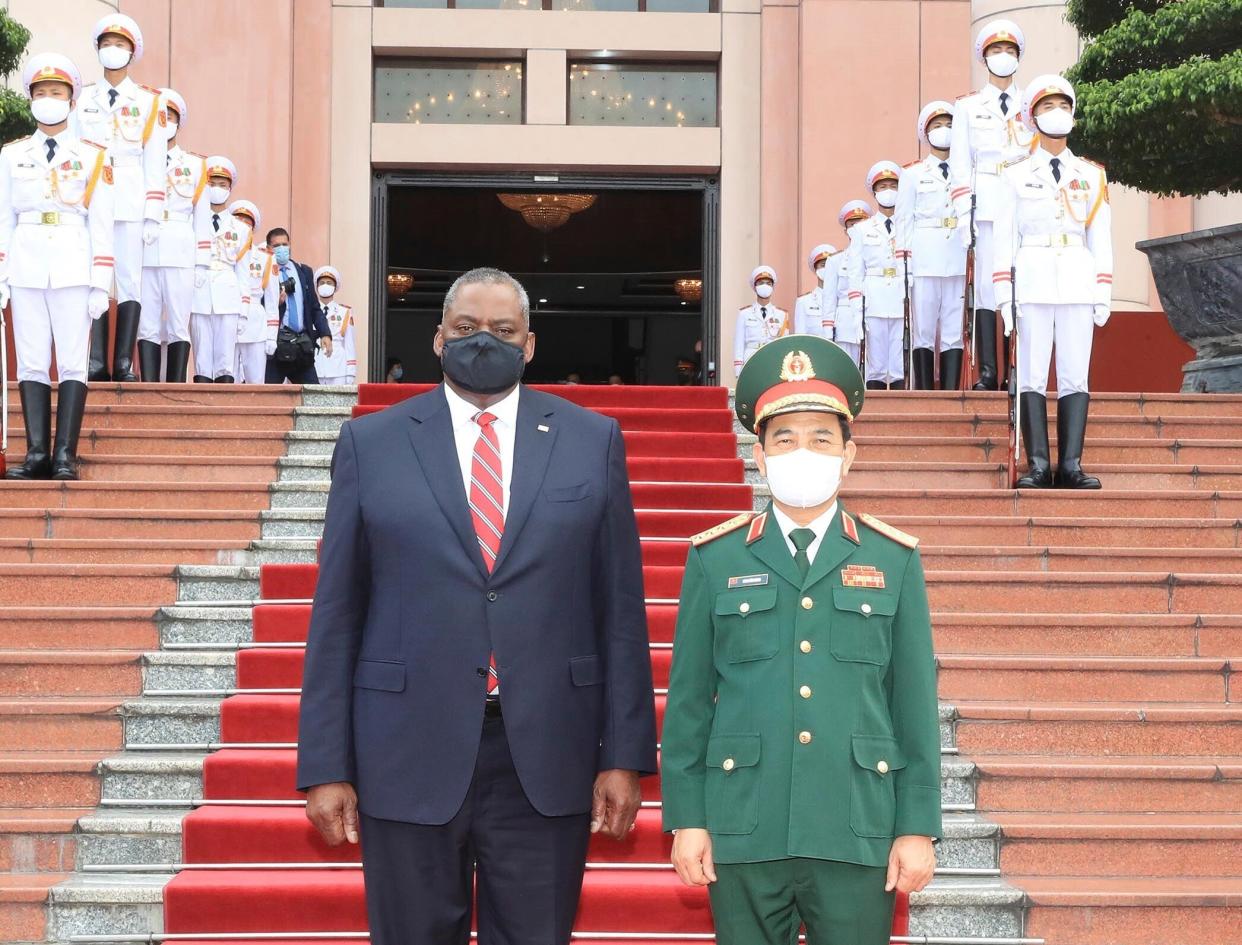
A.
x: 949, y: 223
x: 889, y: 272
x: 1063, y: 239
x: 50, y: 218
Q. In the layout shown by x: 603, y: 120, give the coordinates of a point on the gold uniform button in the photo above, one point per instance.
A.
x: 865, y: 608
x: 882, y: 766
x: 805, y: 692
x: 728, y: 764
x: 744, y: 608
x: 805, y: 646
x: 805, y: 738
x: 807, y: 603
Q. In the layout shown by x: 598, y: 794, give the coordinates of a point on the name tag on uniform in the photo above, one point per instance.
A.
x: 862, y: 575
x: 748, y: 580
x: 1033, y: 184
x: 25, y: 164
x: 93, y: 111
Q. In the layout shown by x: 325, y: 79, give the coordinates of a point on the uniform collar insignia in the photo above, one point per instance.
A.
x: 756, y: 528
x: 849, y: 528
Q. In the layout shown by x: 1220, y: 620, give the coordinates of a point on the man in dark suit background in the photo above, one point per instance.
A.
x: 300, y: 311
x: 477, y: 695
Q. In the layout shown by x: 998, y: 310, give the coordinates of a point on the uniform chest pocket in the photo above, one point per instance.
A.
x: 574, y: 493
x: 873, y: 797
x: 746, y: 621
x: 862, y: 625
x: 732, y: 789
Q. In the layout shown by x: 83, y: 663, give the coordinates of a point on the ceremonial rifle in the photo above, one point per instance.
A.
x: 967, y: 379
x: 1012, y: 381
x: 905, y: 314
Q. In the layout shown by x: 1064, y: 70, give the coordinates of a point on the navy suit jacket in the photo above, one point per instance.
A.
x: 314, y: 321
x: 405, y: 615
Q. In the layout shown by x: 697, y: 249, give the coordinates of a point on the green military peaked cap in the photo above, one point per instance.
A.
x: 796, y: 373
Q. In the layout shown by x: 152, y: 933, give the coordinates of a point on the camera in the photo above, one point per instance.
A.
x: 290, y: 285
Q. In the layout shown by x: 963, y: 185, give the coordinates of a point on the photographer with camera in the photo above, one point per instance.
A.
x: 302, y: 327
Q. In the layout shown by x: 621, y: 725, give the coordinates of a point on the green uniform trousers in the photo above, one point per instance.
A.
x: 840, y: 903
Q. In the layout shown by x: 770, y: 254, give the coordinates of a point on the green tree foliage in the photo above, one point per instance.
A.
x: 15, y: 118
x: 1160, y: 92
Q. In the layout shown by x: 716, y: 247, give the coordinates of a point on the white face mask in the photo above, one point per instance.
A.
x: 820, y: 270
x: 940, y: 137
x: 803, y: 479
x: 764, y: 291
x: 1055, y: 123
x: 1002, y: 65
x: 49, y: 111
x: 173, y: 125
x: 326, y: 290
x: 886, y: 198
x: 217, y: 195
x: 114, y: 57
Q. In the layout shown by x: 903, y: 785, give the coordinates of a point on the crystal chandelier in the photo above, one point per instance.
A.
x: 398, y: 283
x: 546, y: 212
x: 689, y: 290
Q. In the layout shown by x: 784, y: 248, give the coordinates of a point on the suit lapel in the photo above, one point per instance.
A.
x: 773, y: 550
x: 834, y: 549
x: 532, y: 448
x: 431, y: 435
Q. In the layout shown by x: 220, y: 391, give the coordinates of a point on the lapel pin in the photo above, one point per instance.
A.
x: 542, y: 428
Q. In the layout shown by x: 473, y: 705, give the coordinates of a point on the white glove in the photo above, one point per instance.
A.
x: 4, y: 294
x: 963, y: 231
x: 1004, y: 310
x: 150, y: 231
x: 200, y: 276
x: 269, y: 348
x: 1100, y: 315
x: 96, y: 303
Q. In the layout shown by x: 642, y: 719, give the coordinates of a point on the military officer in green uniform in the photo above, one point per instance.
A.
x: 800, y: 769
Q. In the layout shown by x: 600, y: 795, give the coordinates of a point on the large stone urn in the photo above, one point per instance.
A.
x: 1199, y: 278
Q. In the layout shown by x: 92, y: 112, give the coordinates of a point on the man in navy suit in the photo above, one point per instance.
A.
x: 300, y: 311
x: 477, y: 699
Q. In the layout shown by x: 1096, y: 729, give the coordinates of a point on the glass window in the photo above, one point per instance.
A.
x: 631, y: 6
x: 464, y: 4
x: 622, y: 93
x: 624, y: 6
x: 681, y: 6
x: 448, y: 91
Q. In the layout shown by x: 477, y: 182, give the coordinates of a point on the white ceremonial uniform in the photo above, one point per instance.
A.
x: 847, y: 326
x: 341, y: 366
x: 262, y: 287
x: 218, y: 302
x: 875, y: 277
x: 133, y: 127
x: 168, y: 263
x: 1058, y: 236
x: 56, y: 230
x: 757, y: 324
x: 927, y: 238
x: 809, y: 315
x: 985, y: 138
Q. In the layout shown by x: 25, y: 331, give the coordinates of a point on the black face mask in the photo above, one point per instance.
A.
x: 482, y: 364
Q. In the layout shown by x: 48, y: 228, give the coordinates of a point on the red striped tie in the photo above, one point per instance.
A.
x: 487, y: 503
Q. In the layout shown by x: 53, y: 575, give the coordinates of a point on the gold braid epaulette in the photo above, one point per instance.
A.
x: 896, y: 534
x: 732, y: 525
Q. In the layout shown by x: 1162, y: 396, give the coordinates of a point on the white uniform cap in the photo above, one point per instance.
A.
x: 882, y: 170
x: 220, y: 166
x: 930, y: 111
x: 328, y: 271
x: 1041, y: 87
x: 853, y: 210
x: 999, y: 31
x: 762, y: 271
x: 248, y: 208
x: 122, y: 25
x: 818, y: 253
x: 173, y: 99
x: 51, y: 67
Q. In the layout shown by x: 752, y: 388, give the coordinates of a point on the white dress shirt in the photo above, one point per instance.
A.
x: 466, y: 434
x: 819, y: 526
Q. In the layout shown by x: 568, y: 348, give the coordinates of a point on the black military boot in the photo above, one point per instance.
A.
x: 985, y: 345
x: 1071, y: 431
x: 178, y: 361
x: 876, y: 385
x: 950, y: 368
x: 37, y: 414
x: 1034, y: 420
x: 127, y: 314
x: 149, y: 361
x: 924, y: 368
x: 224, y: 379
x: 98, y: 369
x: 70, y: 405
x: 201, y: 379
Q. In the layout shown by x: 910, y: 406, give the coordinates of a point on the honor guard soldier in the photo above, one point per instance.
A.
x: 988, y: 132
x: 759, y: 322
x: 129, y: 121
x: 1054, y: 233
x: 56, y: 232
x: 801, y: 748
x: 262, y: 288
x: 927, y: 242
x: 219, y: 287
x: 848, y: 322
x: 876, y: 288
x: 169, y: 261
x: 340, y: 365
x: 815, y: 312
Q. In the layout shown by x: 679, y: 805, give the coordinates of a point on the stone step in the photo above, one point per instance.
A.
x: 172, y: 721
x: 153, y: 551
x: 136, y: 497
x: 309, y: 443
x: 23, y: 910
x: 137, y: 776
x: 31, y: 585
x: 106, y: 904
x: 1088, y: 634
x: 40, y: 779
x: 122, y: 628
x: 37, y: 840
x: 126, y: 416
x: 218, y: 397
x: 1066, y: 532
x: 206, y: 583
x: 69, y: 672
x: 144, y: 442
x: 146, y: 524
x: 32, y: 725
x: 155, y: 468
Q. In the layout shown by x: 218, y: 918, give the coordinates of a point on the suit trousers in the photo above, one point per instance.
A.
x: 215, y: 344
x: 295, y: 372
x: 885, y: 343
x: 840, y: 903
x: 43, y: 317
x: 937, y: 310
x: 528, y: 867
x: 167, y: 294
x: 1071, y: 329
x: 251, y: 362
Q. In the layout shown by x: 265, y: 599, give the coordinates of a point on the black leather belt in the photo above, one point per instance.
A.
x: 491, y: 708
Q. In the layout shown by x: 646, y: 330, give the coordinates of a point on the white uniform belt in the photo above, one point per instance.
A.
x: 125, y: 160
x: 936, y: 223
x: 52, y: 217
x: 1055, y: 240
x: 179, y: 215
x: 888, y: 272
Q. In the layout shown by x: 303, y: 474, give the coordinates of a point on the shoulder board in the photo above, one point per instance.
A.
x: 148, y: 88
x: 966, y: 95
x: 732, y: 525
x: 896, y: 534
x: 912, y: 163
x: 1013, y: 162
x: 264, y: 249
x: 19, y: 140
x: 93, y: 144
x: 1096, y: 164
x: 201, y: 157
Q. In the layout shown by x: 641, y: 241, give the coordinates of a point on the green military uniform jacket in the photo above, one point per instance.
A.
x: 802, y: 716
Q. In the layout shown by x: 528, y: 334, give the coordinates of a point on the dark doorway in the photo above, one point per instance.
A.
x: 604, y: 286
